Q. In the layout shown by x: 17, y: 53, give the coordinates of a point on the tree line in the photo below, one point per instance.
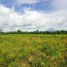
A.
x: 35, y: 32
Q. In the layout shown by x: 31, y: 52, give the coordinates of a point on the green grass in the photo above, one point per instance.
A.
x: 33, y: 50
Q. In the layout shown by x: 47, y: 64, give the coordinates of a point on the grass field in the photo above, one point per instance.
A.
x: 33, y: 50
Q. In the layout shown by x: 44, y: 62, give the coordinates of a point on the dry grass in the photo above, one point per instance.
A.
x: 33, y: 50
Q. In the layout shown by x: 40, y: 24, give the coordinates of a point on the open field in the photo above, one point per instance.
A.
x: 33, y: 50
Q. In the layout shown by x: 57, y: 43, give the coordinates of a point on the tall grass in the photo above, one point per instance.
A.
x: 33, y: 50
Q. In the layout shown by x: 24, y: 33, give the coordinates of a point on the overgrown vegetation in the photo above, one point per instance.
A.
x: 33, y: 50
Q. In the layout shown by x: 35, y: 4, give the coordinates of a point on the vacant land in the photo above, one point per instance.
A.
x: 33, y: 50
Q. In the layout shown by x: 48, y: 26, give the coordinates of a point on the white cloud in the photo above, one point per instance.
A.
x: 60, y: 4
x: 27, y: 1
x: 31, y: 20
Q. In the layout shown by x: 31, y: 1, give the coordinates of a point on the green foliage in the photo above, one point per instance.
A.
x: 33, y: 50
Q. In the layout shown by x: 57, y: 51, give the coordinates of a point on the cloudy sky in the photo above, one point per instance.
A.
x: 30, y: 15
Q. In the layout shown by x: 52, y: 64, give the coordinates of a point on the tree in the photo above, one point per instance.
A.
x: 19, y: 31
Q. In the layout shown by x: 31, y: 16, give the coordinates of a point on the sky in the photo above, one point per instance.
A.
x: 31, y: 15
